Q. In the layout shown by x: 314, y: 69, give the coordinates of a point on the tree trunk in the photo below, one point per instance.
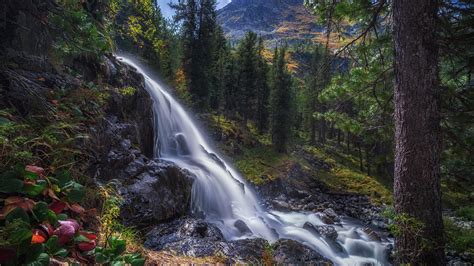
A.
x: 417, y: 132
x: 361, y: 159
x: 368, y: 158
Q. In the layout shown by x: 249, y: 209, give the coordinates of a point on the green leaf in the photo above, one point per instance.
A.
x: 63, y: 178
x: 18, y: 232
x: 118, y: 246
x: 138, y: 262
x: 52, y: 217
x: 35, y: 189
x: 11, y: 182
x: 41, y: 211
x: 81, y: 238
x: 74, y: 191
x: 118, y: 263
x: 30, y: 175
x: 42, y: 260
x: 17, y: 213
x: 62, y: 217
x: 62, y: 253
x: 101, y: 258
x: 52, y: 245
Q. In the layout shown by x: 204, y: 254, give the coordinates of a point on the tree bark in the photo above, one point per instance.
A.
x: 417, y: 132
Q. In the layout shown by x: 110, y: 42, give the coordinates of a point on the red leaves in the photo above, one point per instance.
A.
x: 39, y: 237
x: 87, y: 246
x: 35, y: 169
x: 13, y: 202
x: 77, y: 208
x: 57, y: 206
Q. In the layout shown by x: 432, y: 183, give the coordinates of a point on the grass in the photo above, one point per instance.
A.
x: 260, y: 163
x: 345, y: 176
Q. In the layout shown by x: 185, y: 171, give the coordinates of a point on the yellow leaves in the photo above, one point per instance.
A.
x: 134, y: 27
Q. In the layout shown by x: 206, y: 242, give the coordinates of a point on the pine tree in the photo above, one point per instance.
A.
x: 247, y: 76
x: 280, y: 101
x: 198, y: 20
x: 262, y: 89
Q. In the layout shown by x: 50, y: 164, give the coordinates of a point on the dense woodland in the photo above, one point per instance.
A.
x: 360, y: 94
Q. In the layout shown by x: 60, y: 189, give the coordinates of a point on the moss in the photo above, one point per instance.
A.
x: 344, y: 175
x: 262, y: 164
x: 127, y: 91
x: 459, y: 239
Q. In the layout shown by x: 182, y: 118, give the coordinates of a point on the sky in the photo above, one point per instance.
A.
x: 168, y: 12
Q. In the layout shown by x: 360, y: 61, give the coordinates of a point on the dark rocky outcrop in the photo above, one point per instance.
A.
x: 160, y: 193
x: 288, y: 251
x: 195, y: 237
x: 299, y: 190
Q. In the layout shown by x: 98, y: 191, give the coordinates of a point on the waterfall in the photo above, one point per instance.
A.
x: 223, y: 198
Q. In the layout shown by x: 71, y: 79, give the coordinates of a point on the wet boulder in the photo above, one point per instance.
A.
x: 186, y: 237
x: 249, y: 251
x: 288, y: 251
x: 160, y: 193
x: 326, y: 231
x: 242, y: 227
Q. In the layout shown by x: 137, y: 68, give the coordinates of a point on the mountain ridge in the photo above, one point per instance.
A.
x: 274, y: 20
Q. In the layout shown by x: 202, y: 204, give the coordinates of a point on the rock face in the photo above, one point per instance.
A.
x: 153, y: 191
x: 197, y: 238
x: 288, y: 251
x: 272, y: 19
x: 160, y: 193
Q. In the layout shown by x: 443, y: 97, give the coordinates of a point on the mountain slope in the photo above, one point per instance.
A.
x: 272, y: 19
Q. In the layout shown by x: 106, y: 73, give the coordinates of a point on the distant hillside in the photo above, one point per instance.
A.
x: 272, y: 19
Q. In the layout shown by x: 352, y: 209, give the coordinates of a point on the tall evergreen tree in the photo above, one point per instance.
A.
x: 280, y: 101
x: 198, y: 20
x: 417, y: 133
x: 247, y: 76
x: 262, y: 89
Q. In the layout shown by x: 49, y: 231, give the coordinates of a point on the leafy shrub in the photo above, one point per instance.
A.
x: 41, y: 218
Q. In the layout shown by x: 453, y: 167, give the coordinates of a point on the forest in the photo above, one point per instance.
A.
x: 264, y: 132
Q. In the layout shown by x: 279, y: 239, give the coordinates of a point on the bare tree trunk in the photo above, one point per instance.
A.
x: 417, y: 135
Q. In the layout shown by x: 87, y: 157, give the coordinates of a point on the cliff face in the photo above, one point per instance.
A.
x: 272, y: 19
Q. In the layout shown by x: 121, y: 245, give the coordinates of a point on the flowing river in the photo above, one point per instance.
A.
x: 221, y: 195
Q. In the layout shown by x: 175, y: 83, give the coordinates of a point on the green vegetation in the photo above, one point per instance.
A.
x: 466, y: 213
x: 459, y: 239
x: 43, y: 215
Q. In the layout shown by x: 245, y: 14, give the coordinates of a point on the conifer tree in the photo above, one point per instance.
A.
x: 280, y: 101
x: 262, y: 89
x: 247, y: 76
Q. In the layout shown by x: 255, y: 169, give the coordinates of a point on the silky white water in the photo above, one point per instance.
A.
x: 222, y: 197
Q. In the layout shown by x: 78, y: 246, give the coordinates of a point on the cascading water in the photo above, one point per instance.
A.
x: 222, y: 196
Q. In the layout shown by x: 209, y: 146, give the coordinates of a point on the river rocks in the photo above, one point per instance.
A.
x: 288, y: 251
x: 187, y: 236
x: 327, y: 232
x: 371, y: 234
x: 249, y: 251
x: 162, y: 192
x: 242, y: 227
